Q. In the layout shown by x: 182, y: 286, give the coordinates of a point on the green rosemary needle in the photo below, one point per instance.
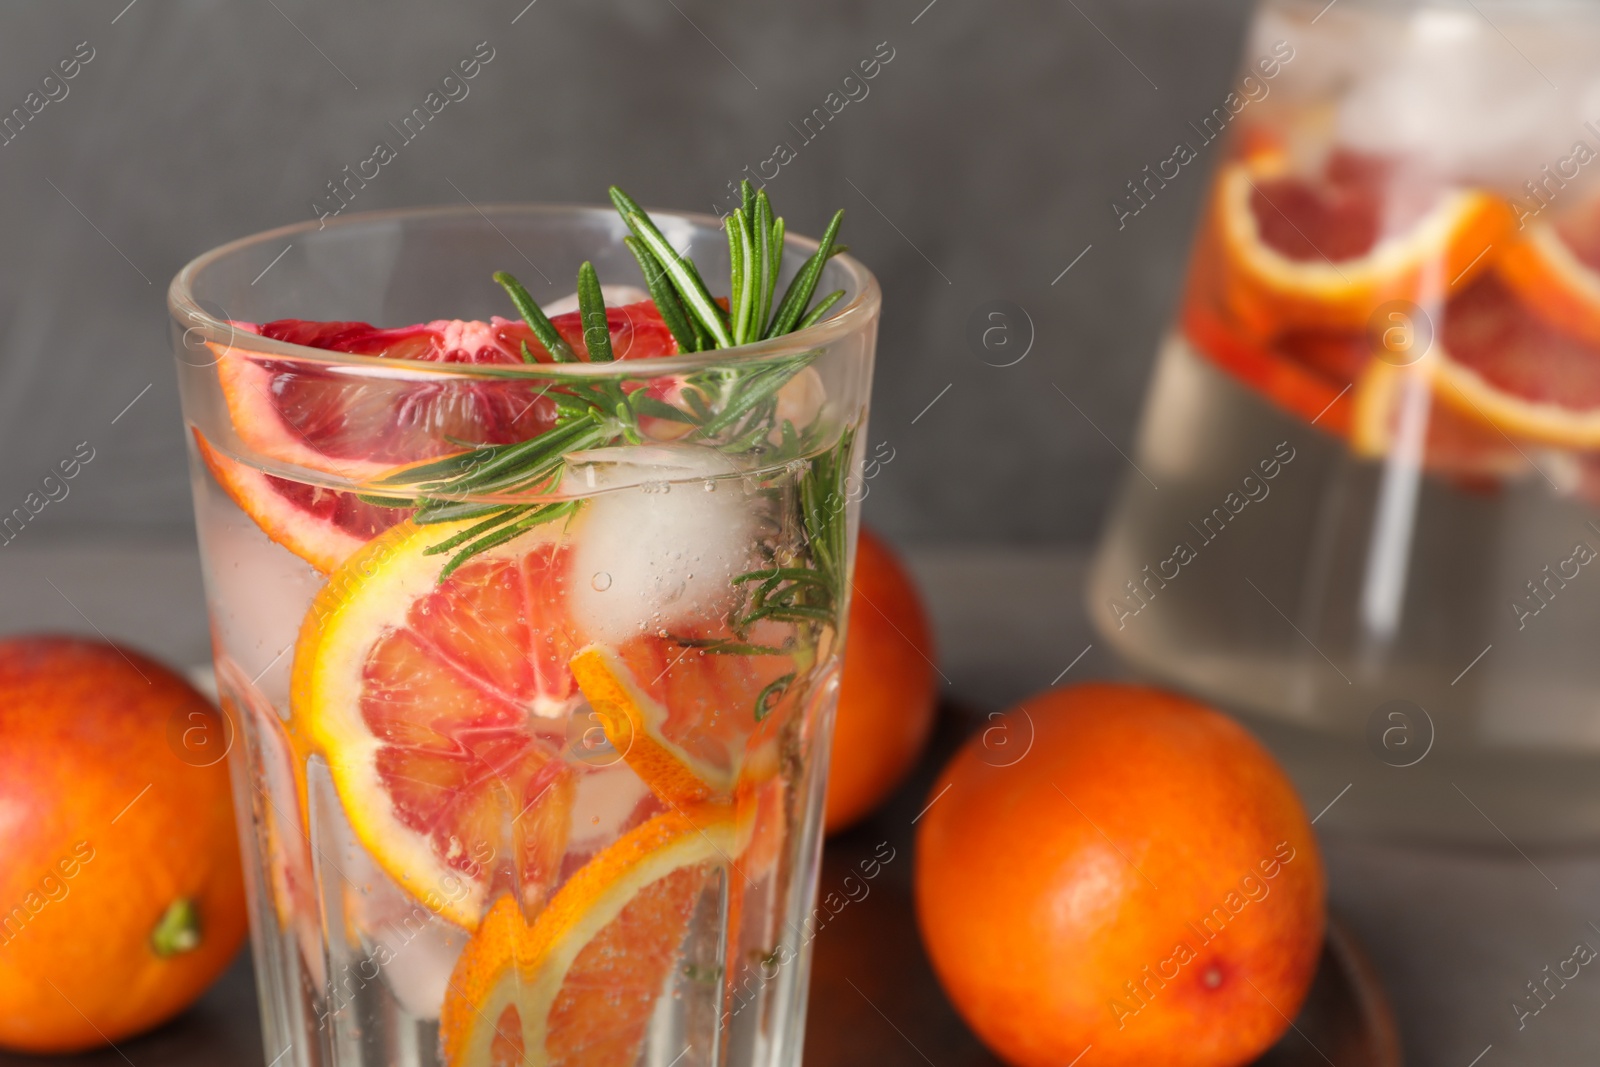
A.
x: 731, y: 408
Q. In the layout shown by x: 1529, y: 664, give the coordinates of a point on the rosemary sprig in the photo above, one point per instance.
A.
x: 793, y: 308
x: 806, y: 594
x: 731, y: 408
x: 541, y: 326
x: 664, y: 296
x: 822, y: 507
x: 592, y: 310
x: 823, y: 307
x: 685, y: 278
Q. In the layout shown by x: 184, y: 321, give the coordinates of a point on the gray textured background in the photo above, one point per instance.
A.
x: 979, y: 166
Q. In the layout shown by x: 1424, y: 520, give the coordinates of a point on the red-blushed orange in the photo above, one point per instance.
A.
x: 121, y: 895
x: 1143, y: 881
x: 890, y: 688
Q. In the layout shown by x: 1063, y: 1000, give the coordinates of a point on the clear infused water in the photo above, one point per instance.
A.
x: 356, y: 967
x: 1428, y: 642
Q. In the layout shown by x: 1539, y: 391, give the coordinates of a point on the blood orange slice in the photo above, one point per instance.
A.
x: 686, y: 719
x: 1395, y: 413
x: 322, y: 526
x: 1305, y: 371
x: 1301, y: 386
x: 322, y: 419
x: 1503, y: 364
x: 1326, y: 249
x: 1555, y: 270
x: 578, y: 985
x: 440, y: 707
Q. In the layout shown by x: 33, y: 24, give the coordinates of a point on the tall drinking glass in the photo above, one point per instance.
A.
x: 1369, y: 468
x: 532, y: 764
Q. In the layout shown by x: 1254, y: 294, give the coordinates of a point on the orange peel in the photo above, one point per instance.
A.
x: 578, y: 984
x: 1271, y: 290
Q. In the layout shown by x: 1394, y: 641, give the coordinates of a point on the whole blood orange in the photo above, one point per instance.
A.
x: 889, y: 691
x: 121, y: 897
x: 1143, y: 881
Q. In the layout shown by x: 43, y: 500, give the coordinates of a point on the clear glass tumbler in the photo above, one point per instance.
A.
x: 1369, y: 466
x: 532, y: 766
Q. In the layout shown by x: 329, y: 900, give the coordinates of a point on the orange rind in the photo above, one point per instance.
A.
x: 579, y: 983
x: 634, y: 724
x: 1553, y: 271
x: 692, y: 723
x: 1501, y: 364
x: 1284, y: 270
x: 322, y: 526
x: 1396, y: 417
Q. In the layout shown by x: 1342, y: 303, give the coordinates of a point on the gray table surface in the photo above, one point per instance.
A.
x: 1456, y: 933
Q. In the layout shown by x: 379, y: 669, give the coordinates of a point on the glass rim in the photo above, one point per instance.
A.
x: 183, y: 306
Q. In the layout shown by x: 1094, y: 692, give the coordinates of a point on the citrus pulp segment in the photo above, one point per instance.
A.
x: 439, y: 707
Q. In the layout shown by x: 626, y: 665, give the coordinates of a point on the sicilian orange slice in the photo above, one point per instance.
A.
x: 1555, y: 270
x: 308, y: 415
x: 684, y: 718
x: 440, y: 707
x: 578, y: 984
x: 1327, y: 249
x: 1306, y: 373
x: 1505, y: 365
x: 322, y: 526
x: 1396, y: 416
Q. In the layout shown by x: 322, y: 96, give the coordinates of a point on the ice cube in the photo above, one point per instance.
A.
x: 800, y: 400
x: 661, y: 543
x: 1457, y: 97
x: 606, y: 798
x: 386, y: 929
x: 421, y: 952
x: 258, y: 591
x: 601, y: 469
